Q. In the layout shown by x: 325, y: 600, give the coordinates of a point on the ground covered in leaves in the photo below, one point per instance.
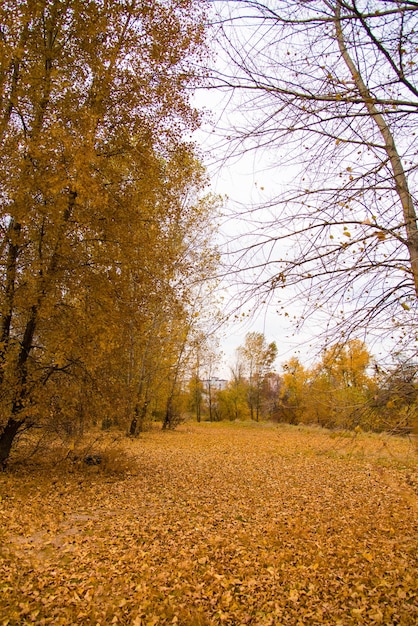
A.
x: 216, y: 524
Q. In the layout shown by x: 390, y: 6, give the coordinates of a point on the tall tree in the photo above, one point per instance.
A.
x: 258, y: 358
x: 336, y: 392
x: 328, y: 90
x: 339, y: 387
x: 95, y: 181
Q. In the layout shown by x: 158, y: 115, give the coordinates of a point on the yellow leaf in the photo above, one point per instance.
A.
x: 377, y: 616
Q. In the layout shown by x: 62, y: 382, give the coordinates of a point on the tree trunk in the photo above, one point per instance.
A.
x: 138, y: 419
x: 7, y: 438
x: 210, y: 403
x: 134, y: 424
x: 11, y: 429
x: 169, y: 413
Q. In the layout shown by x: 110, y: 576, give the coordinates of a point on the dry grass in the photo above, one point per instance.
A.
x: 216, y: 524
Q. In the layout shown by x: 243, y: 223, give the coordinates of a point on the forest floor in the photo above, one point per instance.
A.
x: 215, y: 524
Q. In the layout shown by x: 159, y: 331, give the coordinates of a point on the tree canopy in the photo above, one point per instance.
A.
x: 99, y: 206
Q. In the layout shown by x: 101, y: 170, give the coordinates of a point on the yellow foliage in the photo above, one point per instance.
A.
x: 101, y: 217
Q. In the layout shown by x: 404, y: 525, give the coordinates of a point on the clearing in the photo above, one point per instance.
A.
x: 216, y: 524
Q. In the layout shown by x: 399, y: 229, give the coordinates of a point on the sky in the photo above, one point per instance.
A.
x: 243, y: 182
x: 250, y: 180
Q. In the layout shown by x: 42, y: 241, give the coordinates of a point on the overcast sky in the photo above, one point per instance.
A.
x: 247, y: 181
x: 252, y: 180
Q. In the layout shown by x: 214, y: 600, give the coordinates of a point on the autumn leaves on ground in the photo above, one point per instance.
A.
x: 215, y: 524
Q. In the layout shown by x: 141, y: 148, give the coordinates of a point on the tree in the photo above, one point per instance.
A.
x: 232, y: 402
x: 336, y: 392
x: 339, y: 388
x: 257, y: 357
x: 211, y: 359
x: 292, y: 404
x: 271, y: 392
x: 394, y: 403
x: 328, y: 90
x: 177, y: 308
x: 196, y: 391
x: 98, y: 189
x: 346, y: 363
x: 192, y: 335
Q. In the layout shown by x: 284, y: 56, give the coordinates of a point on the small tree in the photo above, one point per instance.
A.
x: 337, y: 392
x: 293, y: 392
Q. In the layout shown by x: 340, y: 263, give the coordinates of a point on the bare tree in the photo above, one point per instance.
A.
x: 327, y: 92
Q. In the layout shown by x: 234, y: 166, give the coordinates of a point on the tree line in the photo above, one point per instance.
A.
x: 346, y: 389
x: 105, y: 227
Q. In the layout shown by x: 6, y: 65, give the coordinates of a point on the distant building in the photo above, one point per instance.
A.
x: 214, y: 383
